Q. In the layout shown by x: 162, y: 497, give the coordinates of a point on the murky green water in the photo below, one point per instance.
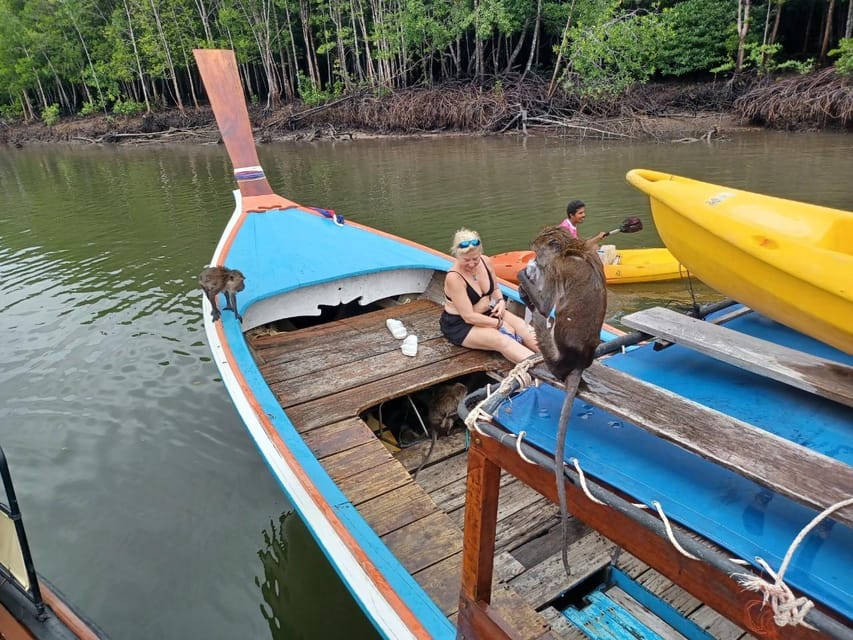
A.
x: 145, y: 500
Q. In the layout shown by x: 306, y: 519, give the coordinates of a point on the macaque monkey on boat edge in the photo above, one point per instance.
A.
x: 215, y: 280
x: 568, y: 277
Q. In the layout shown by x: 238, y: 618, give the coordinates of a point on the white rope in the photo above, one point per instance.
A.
x: 519, y: 373
x: 518, y: 450
x: 787, y: 608
x: 670, y: 534
x: 582, y: 478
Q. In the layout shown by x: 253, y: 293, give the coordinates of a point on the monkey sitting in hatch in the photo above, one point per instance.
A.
x: 442, y: 414
x: 215, y: 280
x: 567, y: 277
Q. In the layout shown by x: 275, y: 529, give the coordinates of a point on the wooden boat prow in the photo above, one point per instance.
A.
x: 792, y: 261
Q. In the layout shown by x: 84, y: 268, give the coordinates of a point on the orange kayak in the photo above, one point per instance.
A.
x: 628, y: 266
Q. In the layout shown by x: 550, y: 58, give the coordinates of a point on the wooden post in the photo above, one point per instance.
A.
x: 481, y: 519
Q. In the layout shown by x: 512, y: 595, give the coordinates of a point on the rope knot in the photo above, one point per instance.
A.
x: 787, y: 608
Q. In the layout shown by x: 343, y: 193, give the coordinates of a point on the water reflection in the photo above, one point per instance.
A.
x: 302, y: 596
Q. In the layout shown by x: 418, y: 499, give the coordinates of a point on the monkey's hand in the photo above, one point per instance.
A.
x: 531, y: 295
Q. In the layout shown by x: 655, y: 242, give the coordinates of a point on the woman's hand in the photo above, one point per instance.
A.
x: 497, y: 311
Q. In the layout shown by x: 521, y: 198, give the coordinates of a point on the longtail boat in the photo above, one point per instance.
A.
x: 30, y: 607
x: 628, y: 266
x: 312, y: 355
x: 790, y: 260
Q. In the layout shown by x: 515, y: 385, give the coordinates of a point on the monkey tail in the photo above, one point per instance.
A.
x: 572, y: 381
x: 426, y: 457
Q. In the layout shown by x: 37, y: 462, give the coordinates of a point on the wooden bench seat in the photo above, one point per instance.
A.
x: 820, y: 376
x: 810, y: 478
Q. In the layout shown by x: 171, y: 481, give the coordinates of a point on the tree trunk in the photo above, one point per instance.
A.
x: 848, y: 28
x: 136, y: 57
x: 827, y: 31
x: 742, y: 31
x: 564, y: 42
x: 534, y: 44
x: 167, y: 52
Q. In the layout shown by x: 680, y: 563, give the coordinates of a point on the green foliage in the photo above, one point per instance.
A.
x: 128, y: 107
x: 844, y: 63
x: 696, y: 35
x: 11, y: 111
x: 50, y: 114
x: 608, y: 57
x: 310, y: 94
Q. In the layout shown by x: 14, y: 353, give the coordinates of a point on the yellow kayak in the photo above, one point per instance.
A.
x: 789, y: 260
x: 626, y: 266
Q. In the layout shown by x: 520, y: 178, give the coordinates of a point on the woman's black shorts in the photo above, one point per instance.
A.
x: 454, y: 327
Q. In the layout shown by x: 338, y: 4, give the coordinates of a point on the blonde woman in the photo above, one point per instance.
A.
x: 475, y: 314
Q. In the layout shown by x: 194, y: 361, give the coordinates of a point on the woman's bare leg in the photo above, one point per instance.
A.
x: 493, y: 340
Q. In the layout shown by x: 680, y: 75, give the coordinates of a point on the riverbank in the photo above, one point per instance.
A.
x: 672, y: 112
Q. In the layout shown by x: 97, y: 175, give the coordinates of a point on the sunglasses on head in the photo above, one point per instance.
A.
x: 469, y: 243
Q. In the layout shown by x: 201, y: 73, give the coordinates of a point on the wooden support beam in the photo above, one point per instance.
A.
x: 711, y: 585
x: 481, y: 519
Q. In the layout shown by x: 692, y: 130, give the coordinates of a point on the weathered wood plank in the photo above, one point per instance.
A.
x: 451, y: 497
x: 331, y: 376
x: 396, y: 509
x: 424, y: 542
x: 523, y: 619
x: 441, y: 581
x: 338, y: 436
x: 716, y: 625
x: 534, y: 551
x: 445, y: 447
x: 435, y: 478
x: 561, y: 625
x: 349, y: 462
x: 349, y: 403
x: 820, y: 376
x: 547, y: 580
x: 315, y: 355
x: 643, y: 615
x: 373, y: 482
x: 795, y: 471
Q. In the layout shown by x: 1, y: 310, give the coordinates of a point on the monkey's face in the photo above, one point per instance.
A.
x: 236, y: 281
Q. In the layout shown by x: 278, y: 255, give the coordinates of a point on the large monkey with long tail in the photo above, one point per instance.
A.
x: 568, y: 277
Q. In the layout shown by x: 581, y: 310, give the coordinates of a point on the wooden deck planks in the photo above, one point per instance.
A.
x: 306, y: 364
x: 419, y: 521
x: 343, y: 404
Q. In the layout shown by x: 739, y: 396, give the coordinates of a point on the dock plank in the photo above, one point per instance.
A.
x: 819, y: 376
x: 808, y: 477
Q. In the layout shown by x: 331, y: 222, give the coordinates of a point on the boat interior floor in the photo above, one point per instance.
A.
x: 327, y: 377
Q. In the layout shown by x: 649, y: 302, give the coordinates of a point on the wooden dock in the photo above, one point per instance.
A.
x: 327, y: 376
